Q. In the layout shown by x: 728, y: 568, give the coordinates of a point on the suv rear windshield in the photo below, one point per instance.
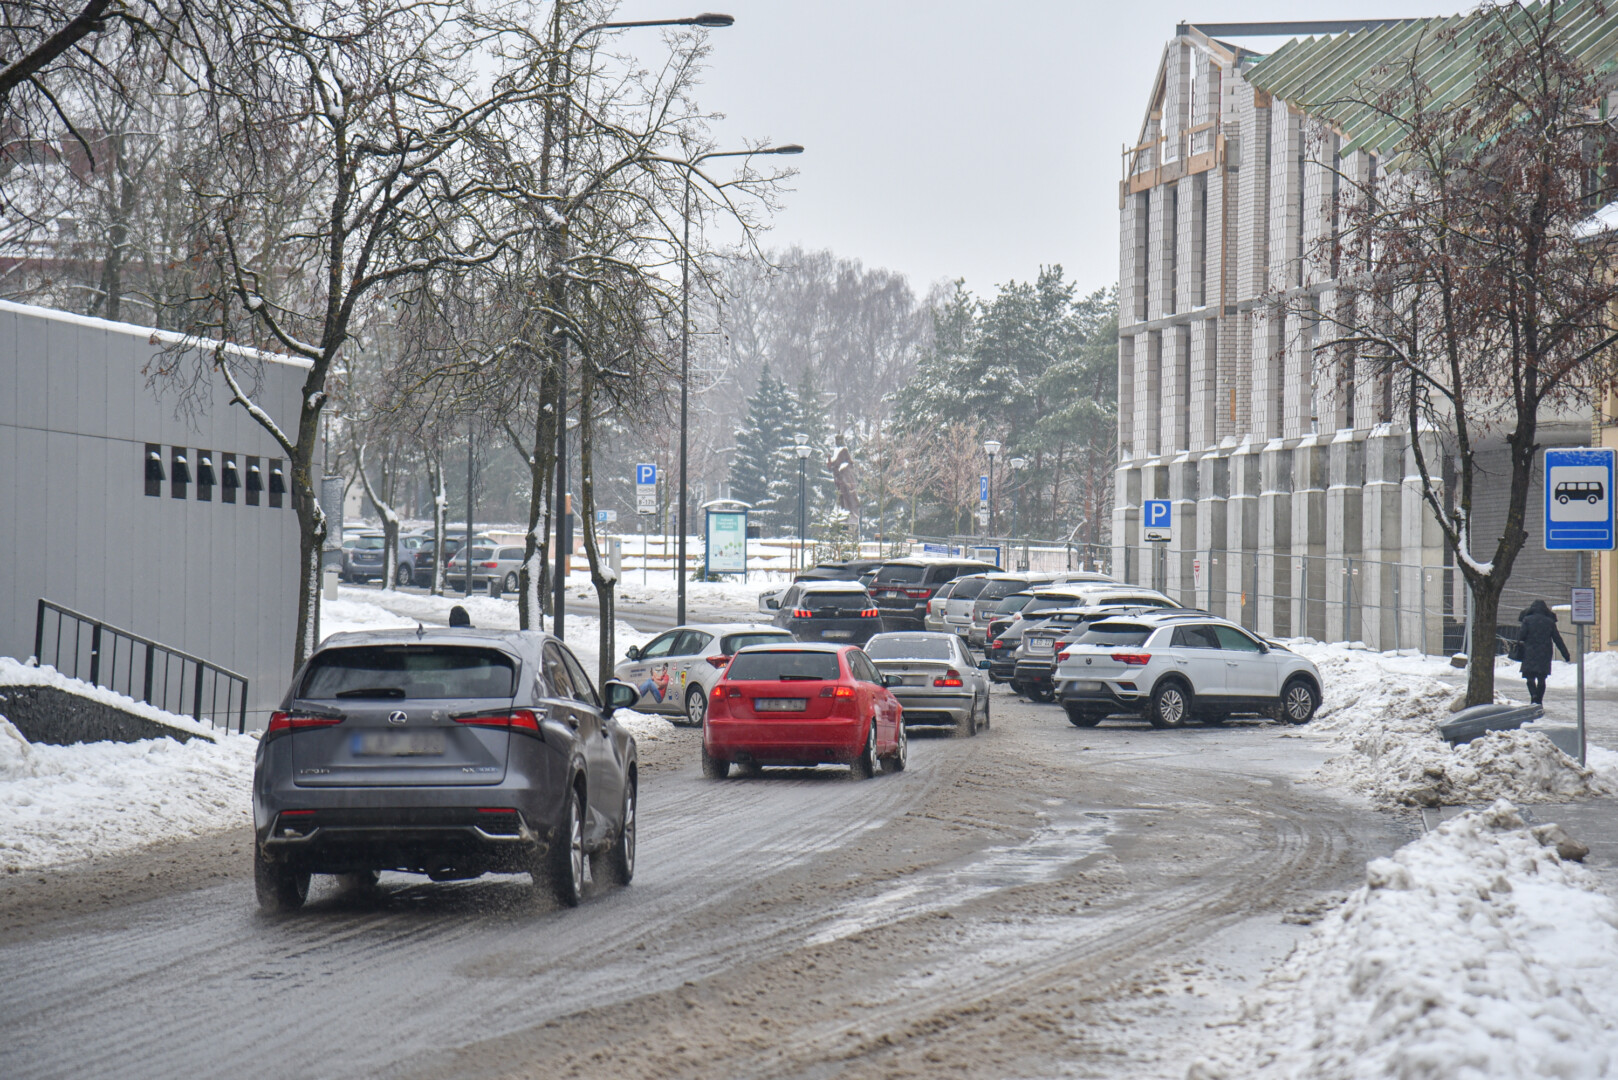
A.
x: 371, y: 543
x: 783, y: 664
x: 735, y: 643
x: 818, y: 600
x: 1013, y: 603
x: 1046, y: 603
x: 908, y: 648
x: 968, y: 588
x: 1114, y: 634
x: 996, y: 590
x: 410, y: 671
x: 899, y: 575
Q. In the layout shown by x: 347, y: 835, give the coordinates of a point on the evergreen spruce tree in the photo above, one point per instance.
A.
x: 759, y: 474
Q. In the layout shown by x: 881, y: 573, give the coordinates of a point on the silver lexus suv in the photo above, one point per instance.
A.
x: 1176, y: 666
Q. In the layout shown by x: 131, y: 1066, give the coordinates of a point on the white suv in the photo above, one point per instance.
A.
x: 1178, y: 666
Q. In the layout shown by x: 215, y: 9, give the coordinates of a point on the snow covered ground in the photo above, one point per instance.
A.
x: 63, y: 803
x: 1474, y: 952
x: 1381, y: 711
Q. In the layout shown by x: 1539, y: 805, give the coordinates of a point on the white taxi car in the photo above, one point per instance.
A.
x: 677, y: 669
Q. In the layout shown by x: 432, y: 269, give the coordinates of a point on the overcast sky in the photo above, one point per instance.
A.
x: 948, y: 138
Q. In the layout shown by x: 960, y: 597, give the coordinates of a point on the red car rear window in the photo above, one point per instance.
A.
x: 784, y: 664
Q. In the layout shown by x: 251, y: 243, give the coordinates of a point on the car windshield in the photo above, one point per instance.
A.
x: 783, y: 664
x: 735, y: 643
x: 410, y: 671
x: 1012, y: 604
x: 827, y: 600
x: 908, y: 647
x: 370, y: 543
x: 900, y: 575
x: 1114, y: 634
x: 479, y: 553
x: 995, y: 590
x: 968, y: 588
x: 1136, y: 601
x: 1046, y: 603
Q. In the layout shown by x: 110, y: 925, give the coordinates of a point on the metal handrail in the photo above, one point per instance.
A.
x: 157, y: 659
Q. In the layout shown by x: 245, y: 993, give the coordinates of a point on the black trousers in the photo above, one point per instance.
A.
x: 1536, y: 688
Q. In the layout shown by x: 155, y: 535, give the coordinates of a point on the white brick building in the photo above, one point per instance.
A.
x: 1295, y: 511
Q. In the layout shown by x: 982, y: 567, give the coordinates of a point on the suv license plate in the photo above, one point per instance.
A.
x: 780, y: 704
x: 1086, y: 684
x: 837, y: 633
x: 398, y: 744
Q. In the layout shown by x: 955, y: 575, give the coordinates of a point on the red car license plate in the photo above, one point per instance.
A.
x: 780, y: 704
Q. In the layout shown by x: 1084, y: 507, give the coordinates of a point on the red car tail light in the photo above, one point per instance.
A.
x: 719, y: 661
x: 951, y: 678
x: 1133, y: 659
x: 520, y: 719
x: 296, y: 721
x: 801, y: 613
x: 870, y: 613
x: 917, y: 594
x: 718, y: 694
x: 489, y: 565
x: 1060, y: 657
x: 837, y: 691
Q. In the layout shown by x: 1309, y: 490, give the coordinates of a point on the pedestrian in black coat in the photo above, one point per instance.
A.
x: 1537, y: 632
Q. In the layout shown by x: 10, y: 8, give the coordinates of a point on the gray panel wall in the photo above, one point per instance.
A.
x: 210, y: 578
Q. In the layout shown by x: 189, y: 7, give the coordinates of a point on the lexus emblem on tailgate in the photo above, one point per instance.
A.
x: 398, y: 717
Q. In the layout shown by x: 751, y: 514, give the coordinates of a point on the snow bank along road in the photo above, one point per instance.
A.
x: 1040, y: 900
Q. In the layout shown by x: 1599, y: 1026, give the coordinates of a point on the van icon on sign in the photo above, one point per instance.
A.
x: 1590, y: 491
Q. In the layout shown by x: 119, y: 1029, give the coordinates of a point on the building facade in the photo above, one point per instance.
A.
x: 206, y: 568
x: 1296, y: 508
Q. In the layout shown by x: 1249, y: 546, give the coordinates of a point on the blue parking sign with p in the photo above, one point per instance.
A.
x: 1157, y: 519
x: 1578, y: 499
x: 645, y: 474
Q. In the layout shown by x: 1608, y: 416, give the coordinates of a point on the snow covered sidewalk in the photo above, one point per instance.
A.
x: 1381, y: 711
x: 1476, y: 951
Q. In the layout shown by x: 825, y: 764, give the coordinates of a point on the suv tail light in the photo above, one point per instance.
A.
x: 1060, y: 657
x: 951, y: 678
x: 917, y: 594
x: 870, y: 613
x: 296, y: 721
x: 519, y: 719
x: 802, y: 613
x: 1133, y: 659
x: 719, y: 661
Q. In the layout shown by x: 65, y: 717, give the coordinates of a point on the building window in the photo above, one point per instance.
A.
x: 179, y: 471
x: 154, y: 470
x: 205, y: 476
x: 278, y: 483
x: 230, y: 479
x: 255, y: 481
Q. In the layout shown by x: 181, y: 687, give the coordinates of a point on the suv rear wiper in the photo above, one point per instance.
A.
x: 372, y: 692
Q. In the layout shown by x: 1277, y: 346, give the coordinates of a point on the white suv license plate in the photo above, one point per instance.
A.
x: 839, y: 634
x: 1086, y: 684
x: 398, y: 744
x: 780, y: 704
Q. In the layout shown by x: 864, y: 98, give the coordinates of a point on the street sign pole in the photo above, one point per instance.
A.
x: 1579, y: 518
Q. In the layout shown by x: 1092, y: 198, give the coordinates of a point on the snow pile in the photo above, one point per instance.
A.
x: 61, y: 803
x: 1475, y: 951
x: 1600, y: 671
x: 1387, y: 721
x: 16, y: 673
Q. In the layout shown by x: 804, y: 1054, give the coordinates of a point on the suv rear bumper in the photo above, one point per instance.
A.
x: 428, y: 840
x: 1101, y: 697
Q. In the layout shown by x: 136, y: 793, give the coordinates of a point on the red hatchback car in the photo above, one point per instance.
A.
x: 802, y: 704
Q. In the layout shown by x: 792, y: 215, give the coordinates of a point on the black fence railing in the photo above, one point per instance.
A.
x: 84, y: 648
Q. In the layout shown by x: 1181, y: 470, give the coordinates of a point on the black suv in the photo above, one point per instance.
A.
x: 902, y: 587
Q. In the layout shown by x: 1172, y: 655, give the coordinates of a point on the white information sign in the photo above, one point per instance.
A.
x: 727, y: 542
x: 1584, y: 607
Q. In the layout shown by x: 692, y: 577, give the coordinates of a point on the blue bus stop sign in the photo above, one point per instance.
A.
x: 1157, y: 516
x: 1578, y: 499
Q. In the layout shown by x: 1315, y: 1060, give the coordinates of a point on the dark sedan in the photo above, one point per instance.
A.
x: 841, y: 612
x: 449, y: 753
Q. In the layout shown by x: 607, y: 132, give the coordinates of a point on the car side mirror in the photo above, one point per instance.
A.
x: 893, y: 680
x: 619, y: 695
x: 632, y: 653
x: 773, y: 604
x: 983, y: 665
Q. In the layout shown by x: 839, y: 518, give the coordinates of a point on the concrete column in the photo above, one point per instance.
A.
x: 1241, y: 534
x: 1423, y: 546
x: 1209, y: 563
x: 1275, y: 540
x: 1381, y: 580
x: 1154, y: 484
x: 1205, y: 394
x: 1344, y: 494
x: 1268, y: 360
x: 1307, y: 576
x: 1172, y: 393
x: 1147, y: 388
x: 1183, y: 491
x: 1125, y: 520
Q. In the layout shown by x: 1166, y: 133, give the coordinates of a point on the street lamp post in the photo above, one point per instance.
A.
x: 1018, y: 464
x: 991, y: 447
x: 685, y: 352
x: 803, y: 452
x: 708, y: 21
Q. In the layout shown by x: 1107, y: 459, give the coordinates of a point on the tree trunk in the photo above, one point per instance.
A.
x: 390, y: 522
x: 533, y: 578
x: 311, y: 543
x: 1481, y: 649
x: 435, y: 473
x: 600, y: 576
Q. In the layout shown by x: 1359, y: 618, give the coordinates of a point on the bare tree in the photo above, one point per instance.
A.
x: 1470, y: 279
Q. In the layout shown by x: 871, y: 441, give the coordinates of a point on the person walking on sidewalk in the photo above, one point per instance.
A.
x: 1536, y: 634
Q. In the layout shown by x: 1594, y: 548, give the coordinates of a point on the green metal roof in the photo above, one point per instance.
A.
x: 1322, y: 75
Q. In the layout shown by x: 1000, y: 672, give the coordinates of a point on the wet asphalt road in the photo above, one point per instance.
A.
x: 1039, y: 900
